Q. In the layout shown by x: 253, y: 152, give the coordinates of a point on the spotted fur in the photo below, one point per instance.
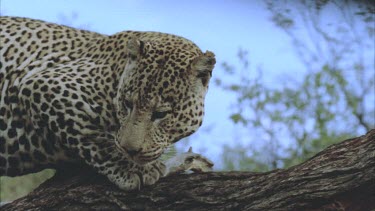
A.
x: 112, y: 102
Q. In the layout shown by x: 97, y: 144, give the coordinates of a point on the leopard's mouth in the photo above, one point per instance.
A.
x: 141, y: 157
x: 148, y: 157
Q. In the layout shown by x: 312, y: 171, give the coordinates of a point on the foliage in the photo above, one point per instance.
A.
x: 331, y: 101
x: 15, y: 187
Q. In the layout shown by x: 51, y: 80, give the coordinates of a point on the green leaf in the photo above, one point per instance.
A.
x: 236, y: 118
x: 234, y: 87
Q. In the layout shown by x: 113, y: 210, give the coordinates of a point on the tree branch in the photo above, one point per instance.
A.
x: 341, y: 177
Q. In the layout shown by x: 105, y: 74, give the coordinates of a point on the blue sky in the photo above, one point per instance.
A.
x: 219, y: 26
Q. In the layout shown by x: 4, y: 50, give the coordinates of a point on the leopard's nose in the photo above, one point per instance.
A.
x: 133, y: 153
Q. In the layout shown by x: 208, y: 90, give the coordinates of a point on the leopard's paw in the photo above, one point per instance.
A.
x: 153, y: 172
x: 129, y: 181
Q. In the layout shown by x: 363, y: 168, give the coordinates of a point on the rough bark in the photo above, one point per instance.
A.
x: 341, y: 177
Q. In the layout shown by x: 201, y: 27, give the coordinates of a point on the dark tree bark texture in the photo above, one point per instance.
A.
x: 341, y: 177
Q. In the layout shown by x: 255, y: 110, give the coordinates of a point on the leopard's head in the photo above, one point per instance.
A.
x: 161, y: 94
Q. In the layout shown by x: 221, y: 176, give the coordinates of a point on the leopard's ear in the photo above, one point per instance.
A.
x: 135, y: 47
x: 204, y: 65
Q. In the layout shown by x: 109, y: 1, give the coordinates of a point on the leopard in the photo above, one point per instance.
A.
x: 112, y: 102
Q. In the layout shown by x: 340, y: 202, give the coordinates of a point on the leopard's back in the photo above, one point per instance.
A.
x: 28, y: 46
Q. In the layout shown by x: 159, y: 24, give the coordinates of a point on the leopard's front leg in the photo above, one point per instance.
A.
x: 128, y: 175
x: 119, y: 169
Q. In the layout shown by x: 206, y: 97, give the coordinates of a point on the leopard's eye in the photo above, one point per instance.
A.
x: 128, y: 104
x: 158, y: 115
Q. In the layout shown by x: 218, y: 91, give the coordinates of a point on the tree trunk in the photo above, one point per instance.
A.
x: 341, y: 177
